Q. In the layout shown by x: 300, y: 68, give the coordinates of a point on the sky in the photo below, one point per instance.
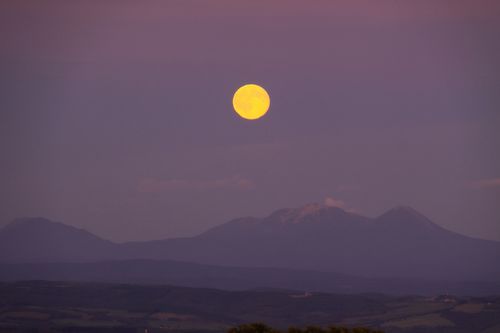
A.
x: 116, y: 116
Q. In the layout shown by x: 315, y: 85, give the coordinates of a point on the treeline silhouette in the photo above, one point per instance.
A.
x: 263, y: 328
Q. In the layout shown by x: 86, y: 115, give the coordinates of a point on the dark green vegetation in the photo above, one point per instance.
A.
x: 91, y: 307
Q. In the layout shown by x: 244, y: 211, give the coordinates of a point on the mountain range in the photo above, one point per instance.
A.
x: 401, y: 245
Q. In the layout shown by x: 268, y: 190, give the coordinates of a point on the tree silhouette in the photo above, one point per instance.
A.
x: 263, y: 328
x: 253, y: 328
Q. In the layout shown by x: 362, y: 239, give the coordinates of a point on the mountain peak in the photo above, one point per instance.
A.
x: 310, y: 209
x: 40, y: 239
x: 404, y: 211
x: 406, y: 216
x: 31, y: 222
x: 40, y: 226
x: 303, y: 213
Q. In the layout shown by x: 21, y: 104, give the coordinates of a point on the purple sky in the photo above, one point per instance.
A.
x: 116, y: 115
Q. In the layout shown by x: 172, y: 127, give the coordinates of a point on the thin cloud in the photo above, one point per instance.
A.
x: 348, y: 188
x: 258, y: 150
x: 151, y: 185
x: 486, y: 183
x: 332, y: 202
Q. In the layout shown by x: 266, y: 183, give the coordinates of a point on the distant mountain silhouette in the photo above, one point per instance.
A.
x: 166, y: 272
x: 401, y: 243
x: 42, y: 240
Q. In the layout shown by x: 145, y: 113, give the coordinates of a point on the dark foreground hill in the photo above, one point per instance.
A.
x: 236, y: 278
x: 401, y: 243
x: 38, y: 306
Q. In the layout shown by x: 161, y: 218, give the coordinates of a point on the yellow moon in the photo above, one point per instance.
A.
x: 251, y: 101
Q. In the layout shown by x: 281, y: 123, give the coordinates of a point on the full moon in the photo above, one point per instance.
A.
x: 251, y: 101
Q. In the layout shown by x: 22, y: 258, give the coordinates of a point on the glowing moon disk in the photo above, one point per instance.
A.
x: 251, y: 101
